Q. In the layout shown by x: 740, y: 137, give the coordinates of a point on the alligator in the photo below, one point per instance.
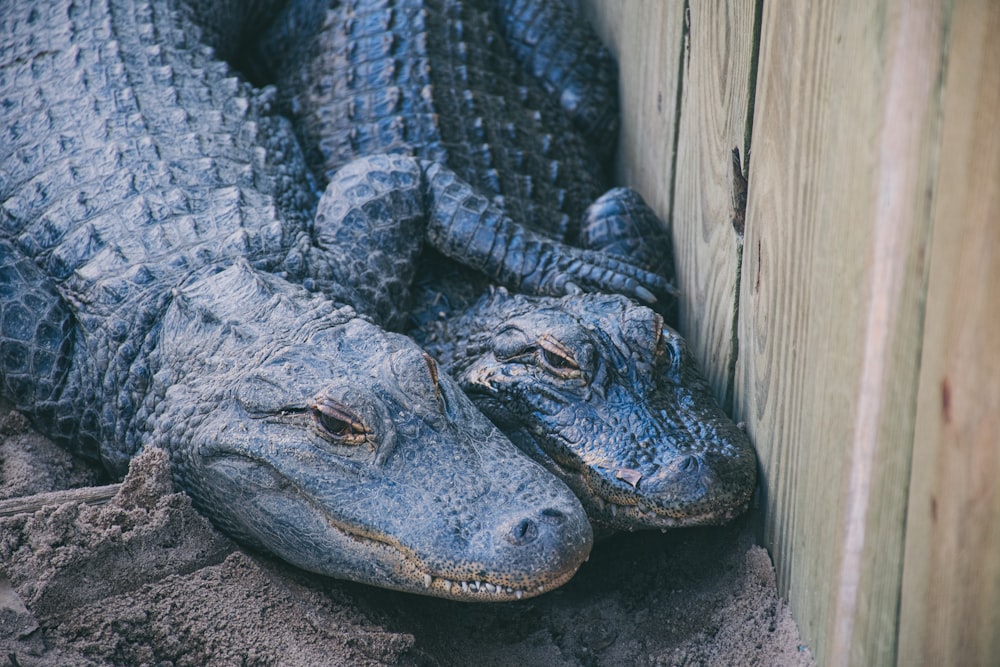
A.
x: 517, y: 97
x: 164, y: 283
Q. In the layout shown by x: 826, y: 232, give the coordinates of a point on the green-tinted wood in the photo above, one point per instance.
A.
x: 863, y: 143
x: 844, y: 139
x: 646, y: 38
x: 950, y: 605
x: 714, y: 98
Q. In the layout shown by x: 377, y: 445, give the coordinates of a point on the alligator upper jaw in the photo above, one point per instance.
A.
x: 403, y: 570
x: 323, y: 539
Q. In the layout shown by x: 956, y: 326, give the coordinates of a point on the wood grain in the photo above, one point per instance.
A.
x: 845, y: 131
x: 714, y: 99
x: 647, y: 39
x: 867, y: 380
x: 950, y: 604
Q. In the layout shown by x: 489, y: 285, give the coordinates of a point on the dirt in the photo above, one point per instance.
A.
x: 146, y: 580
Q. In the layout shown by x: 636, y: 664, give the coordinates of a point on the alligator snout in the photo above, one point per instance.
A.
x: 705, y: 484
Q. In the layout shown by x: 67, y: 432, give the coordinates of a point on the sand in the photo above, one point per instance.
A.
x: 146, y: 580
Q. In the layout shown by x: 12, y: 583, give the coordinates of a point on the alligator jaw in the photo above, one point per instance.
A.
x: 414, y: 577
x: 320, y: 540
x: 609, y: 504
x: 644, y: 516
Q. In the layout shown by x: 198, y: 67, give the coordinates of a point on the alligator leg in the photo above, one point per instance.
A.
x: 377, y: 212
x: 36, y: 336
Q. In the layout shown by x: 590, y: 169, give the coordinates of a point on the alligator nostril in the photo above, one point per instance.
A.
x: 523, y: 533
x: 689, y: 464
x: 553, y: 516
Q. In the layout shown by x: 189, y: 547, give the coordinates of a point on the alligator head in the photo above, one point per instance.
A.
x: 308, y: 432
x: 605, y: 395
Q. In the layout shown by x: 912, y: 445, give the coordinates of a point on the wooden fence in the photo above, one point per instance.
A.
x: 855, y: 325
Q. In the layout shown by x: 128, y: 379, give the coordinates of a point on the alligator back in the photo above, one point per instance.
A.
x: 130, y: 160
x: 431, y: 78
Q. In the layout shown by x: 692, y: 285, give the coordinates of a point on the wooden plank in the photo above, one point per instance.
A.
x: 844, y: 138
x: 950, y: 603
x: 647, y: 40
x: 713, y: 121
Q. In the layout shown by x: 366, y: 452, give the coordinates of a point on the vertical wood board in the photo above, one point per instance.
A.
x: 950, y: 604
x: 646, y: 38
x: 845, y: 134
x: 713, y: 115
x: 790, y: 352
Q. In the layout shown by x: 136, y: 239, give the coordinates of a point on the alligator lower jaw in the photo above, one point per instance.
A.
x: 643, y: 515
x: 481, y: 591
x: 633, y: 517
x: 412, y: 576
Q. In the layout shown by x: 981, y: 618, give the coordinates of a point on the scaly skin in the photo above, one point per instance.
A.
x: 561, y: 52
x: 605, y: 395
x: 156, y: 243
x: 433, y: 78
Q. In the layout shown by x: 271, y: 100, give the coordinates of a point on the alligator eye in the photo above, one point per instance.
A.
x: 558, y: 361
x: 669, y: 352
x: 337, y: 423
x: 558, y: 358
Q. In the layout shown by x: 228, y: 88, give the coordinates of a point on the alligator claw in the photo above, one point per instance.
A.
x: 593, y: 271
x: 644, y: 294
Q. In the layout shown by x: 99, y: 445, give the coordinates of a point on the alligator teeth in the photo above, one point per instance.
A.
x: 614, y: 510
x: 476, y: 587
x: 427, y: 580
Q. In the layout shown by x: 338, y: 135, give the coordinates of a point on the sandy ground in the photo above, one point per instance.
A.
x: 145, y: 580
